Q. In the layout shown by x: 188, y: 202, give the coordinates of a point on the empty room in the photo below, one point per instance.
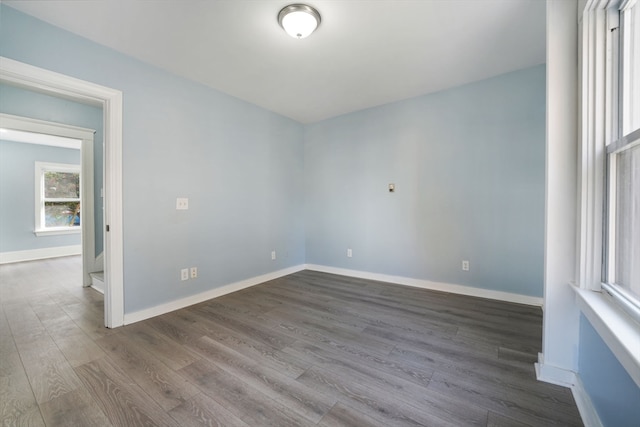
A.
x: 330, y: 213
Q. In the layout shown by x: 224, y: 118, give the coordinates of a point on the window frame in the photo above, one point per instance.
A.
x: 598, y: 120
x: 616, y: 142
x: 40, y: 225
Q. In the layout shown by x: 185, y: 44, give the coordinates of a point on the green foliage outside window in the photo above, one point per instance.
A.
x: 59, y: 188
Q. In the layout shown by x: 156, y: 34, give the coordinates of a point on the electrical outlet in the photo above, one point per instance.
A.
x: 273, y: 254
x: 465, y: 265
x: 184, y: 274
x: 182, y: 203
x: 194, y: 272
x: 349, y: 253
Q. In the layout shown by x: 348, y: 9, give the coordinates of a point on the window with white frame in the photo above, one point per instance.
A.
x: 621, y: 263
x: 57, y: 198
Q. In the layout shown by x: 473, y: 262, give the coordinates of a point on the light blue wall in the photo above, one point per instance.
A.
x: 25, y: 103
x: 240, y: 166
x: 17, y: 195
x: 614, y: 394
x: 468, y: 165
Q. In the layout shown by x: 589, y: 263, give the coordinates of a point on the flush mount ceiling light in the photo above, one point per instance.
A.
x: 299, y: 20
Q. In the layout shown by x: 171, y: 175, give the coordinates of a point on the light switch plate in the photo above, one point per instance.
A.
x: 182, y: 203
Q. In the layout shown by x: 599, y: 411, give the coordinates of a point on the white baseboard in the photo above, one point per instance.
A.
x: 435, y: 286
x: 554, y: 374
x: 207, y: 295
x: 566, y: 378
x: 98, y: 262
x: 97, y: 281
x: 92, y: 265
x: 233, y: 287
x: 34, y: 254
x: 585, y: 406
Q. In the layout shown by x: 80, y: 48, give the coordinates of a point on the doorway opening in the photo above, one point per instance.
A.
x: 38, y: 79
x: 65, y: 208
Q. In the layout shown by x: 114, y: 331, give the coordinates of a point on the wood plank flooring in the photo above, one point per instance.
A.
x: 309, y: 349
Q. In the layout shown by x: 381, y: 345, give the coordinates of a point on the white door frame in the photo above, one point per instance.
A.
x: 85, y: 144
x: 49, y: 82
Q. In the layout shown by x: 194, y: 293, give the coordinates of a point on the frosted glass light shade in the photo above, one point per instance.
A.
x: 299, y: 20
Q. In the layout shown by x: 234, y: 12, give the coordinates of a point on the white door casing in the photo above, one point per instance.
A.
x: 56, y: 84
x: 85, y: 137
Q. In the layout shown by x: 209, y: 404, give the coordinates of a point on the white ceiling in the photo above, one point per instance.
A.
x: 365, y: 52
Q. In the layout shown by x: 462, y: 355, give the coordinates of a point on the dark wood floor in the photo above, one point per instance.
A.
x: 310, y: 349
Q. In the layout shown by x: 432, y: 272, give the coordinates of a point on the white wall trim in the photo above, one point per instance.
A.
x: 554, y: 374
x: 617, y: 329
x: 158, y: 310
x: 62, y: 130
x: 435, y: 286
x: 591, y: 150
x: 56, y: 84
x: 43, y: 253
x: 88, y: 220
x: 247, y: 283
x: 42, y: 132
x: 37, y: 138
x: 561, y: 317
x: 57, y: 231
x: 565, y: 378
x: 585, y: 406
x: 98, y: 264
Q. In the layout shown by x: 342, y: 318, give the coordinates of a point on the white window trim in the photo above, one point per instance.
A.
x: 56, y: 231
x: 618, y: 329
x: 40, y: 168
x: 617, y: 142
x: 592, y: 151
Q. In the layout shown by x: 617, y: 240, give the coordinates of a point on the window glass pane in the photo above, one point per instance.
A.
x: 631, y: 70
x: 61, y: 185
x: 628, y: 220
x: 62, y: 214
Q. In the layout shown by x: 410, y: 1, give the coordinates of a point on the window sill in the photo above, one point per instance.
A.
x: 617, y: 328
x: 57, y: 231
